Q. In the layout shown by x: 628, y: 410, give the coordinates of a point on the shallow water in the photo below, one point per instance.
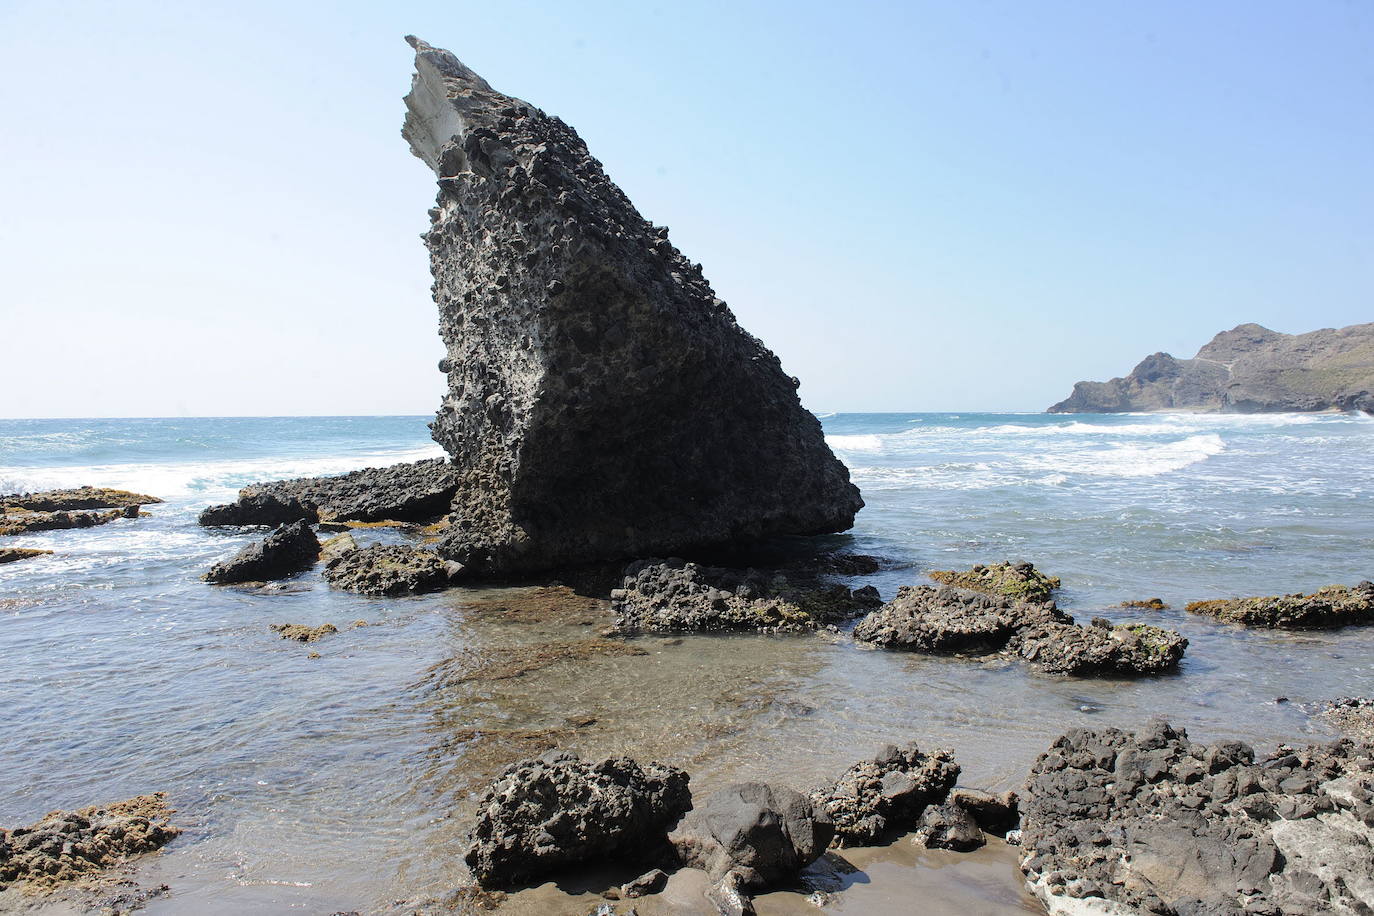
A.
x: 344, y: 781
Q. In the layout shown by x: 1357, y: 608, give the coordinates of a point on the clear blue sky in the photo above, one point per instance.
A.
x: 207, y: 208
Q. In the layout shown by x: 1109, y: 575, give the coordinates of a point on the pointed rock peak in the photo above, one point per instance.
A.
x: 602, y: 402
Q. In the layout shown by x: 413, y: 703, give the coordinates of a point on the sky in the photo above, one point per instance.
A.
x: 206, y: 209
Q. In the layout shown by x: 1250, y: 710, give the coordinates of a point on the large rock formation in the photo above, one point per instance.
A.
x: 1249, y: 369
x: 602, y: 402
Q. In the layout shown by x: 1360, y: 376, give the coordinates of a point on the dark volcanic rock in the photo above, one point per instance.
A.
x: 602, y: 402
x: 1333, y: 606
x: 1248, y: 369
x: 76, y: 498
x: 287, y: 550
x: 391, y: 569
x: 417, y: 492
x: 68, y: 845
x: 22, y: 521
x: 926, y: 619
x: 995, y: 814
x: 1021, y: 581
x: 557, y: 811
x: 302, y: 633
x: 13, y: 554
x: 759, y: 833
x: 664, y: 596
x: 1156, y: 822
x: 950, y: 620
x: 886, y: 793
x: 949, y: 826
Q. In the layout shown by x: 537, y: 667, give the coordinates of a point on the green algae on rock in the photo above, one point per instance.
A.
x: 1021, y: 581
x: 1148, y: 604
x: 1326, y: 608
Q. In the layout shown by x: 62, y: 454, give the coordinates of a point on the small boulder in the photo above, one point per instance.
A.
x: 885, y: 793
x: 289, y: 549
x: 302, y: 633
x: 948, y: 826
x: 760, y: 833
x: 556, y: 811
x: 651, y: 882
x: 390, y: 569
x: 337, y: 546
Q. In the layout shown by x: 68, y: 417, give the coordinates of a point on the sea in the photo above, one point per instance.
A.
x: 341, y: 776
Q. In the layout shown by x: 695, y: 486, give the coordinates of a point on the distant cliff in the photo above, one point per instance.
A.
x: 1249, y: 369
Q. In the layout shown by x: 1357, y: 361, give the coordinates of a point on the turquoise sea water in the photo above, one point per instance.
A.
x: 341, y: 782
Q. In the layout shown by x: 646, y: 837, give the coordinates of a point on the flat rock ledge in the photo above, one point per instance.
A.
x: 674, y: 595
x: 389, y: 569
x: 287, y: 550
x: 421, y: 491
x: 557, y: 811
x: 1020, y: 581
x: 886, y: 793
x: 76, y: 498
x: 948, y: 620
x: 1326, y: 608
x: 601, y: 401
x: 67, y: 846
x: 15, y: 554
x: 1151, y: 822
x: 23, y: 521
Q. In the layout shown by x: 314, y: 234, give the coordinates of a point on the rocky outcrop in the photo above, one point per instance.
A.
x: 390, y: 569
x: 602, y: 402
x: 1324, y: 609
x: 68, y: 845
x: 886, y: 793
x: 23, y: 521
x: 1021, y: 581
x: 1114, y: 822
x: 417, y: 492
x: 666, y: 596
x: 1249, y: 369
x: 14, y: 554
x: 557, y: 811
x: 752, y: 835
x: 302, y: 633
x: 289, y: 549
x: 950, y: 620
x: 76, y: 498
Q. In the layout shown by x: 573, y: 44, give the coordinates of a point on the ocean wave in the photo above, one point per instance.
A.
x: 1132, y: 459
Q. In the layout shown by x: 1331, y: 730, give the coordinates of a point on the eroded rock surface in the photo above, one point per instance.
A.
x: 602, y: 402
x: 950, y: 620
x: 23, y: 521
x: 76, y: 498
x: 949, y: 826
x: 69, y: 845
x: 758, y: 833
x: 1021, y: 581
x: 302, y: 633
x: 1247, y: 369
x: 1326, y: 608
x: 388, y: 569
x: 289, y: 549
x: 556, y: 811
x: 665, y: 596
x: 416, y: 492
x: 1160, y: 824
x: 886, y: 793
x: 14, y: 554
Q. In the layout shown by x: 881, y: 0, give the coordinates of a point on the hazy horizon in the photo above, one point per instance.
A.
x: 209, y: 210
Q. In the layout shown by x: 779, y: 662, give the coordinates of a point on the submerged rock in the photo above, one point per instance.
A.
x: 76, y: 498
x: 1248, y: 369
x: 1326, y: 608
x: 949, y: 620
x: 1148, y: 604
x: 556, y: 811
x: 1020, y: 581
x: 886, y: 793
x: 14, y: 554
x: 68, y: 845
x: 302, y: 633
x: 390, y: 569
x: 22, y: 521
x: 289, y: 549
x: 758, y: 833
x: 417, y: 492
x: 602, y: 402
x: 1161, y: 824
x: 664, y: 596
